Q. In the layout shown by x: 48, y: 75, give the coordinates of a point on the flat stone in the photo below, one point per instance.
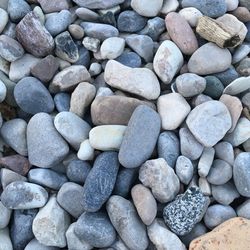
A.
x: 5, y: 214
x: 206, y: 161
x: 17, y: 9
x: 145, y: 8
x: 112, y: 47
x: 161, y: 178
x: 62, y: 101
x: 54, y: 6
x: 5, y: 241
x: 191, y: 15
x: 87, y: 14
x: 4, y: 19
x: 214, y: 87
x: 184, y: 169
x: 130, y: 59
x: 120, y: 209
x: 238, y: 86
x: 86, y: 151
x: 41, y: 43
x: 98, y: 4
x: 8, y: 176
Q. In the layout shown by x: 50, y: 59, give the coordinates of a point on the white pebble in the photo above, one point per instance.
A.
x: 85, y: 152
x: 112, y: 47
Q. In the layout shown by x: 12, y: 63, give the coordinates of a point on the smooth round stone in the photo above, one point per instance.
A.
x: 28, y: 91
x: 232, y: 4
x: 217, y: 214
x: 35, y: 244
x: 191, y: 15
x: 169, y: 6
x: 145, y: 8
x: 184, y: 169
x: 39, y: 12
x: 161, y: 178
x: 62, y: 101
x: 244, y: 209
x: 209, y: 122
x: 205, y: 186
x: 95, y: 69
x: 209, y: 59
x: 119, y: 209
x: 53, y: 6
x: 76, y: 31
x: 13, y: 133
x: 181, y: 33
x: 238, y: 86
x: 5, y: 241
x: 211, y: 8
x: 24, y: 195
x: 112, y: 47
x: 189, y: 84
x: 168, y: 147
x: 241, y: 173
x: 8, y: 176
x: 51, y: 220
x: 96, y: 4
x: 206, y: 161
x: 245, y: 3
x: 69, y: 198
x: 220, y: 173
x: 224, y: 151
x: 4, y: 19
x: 17, y: 9
x: 227, y: 76
x: 243, y: 67
x: 173, y: 109
x: 143, y: 129
x: 95, y: 229
x: 168, y: 61
x: 130, y: 21
x: 241, y: 52
x: 77, y: 171
x: 85, y: 152
x: 73, y: 129
x: 100, y: 181
x: 5, y: 214
x: 214, y: 87
x: 199, y: 99
x: 87, y: 14
x: 145, y: 203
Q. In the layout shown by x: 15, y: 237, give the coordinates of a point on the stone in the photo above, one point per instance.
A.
x: 112, y: 47
x: 241, y: 52
x: 237, y: 86
x: 224, y: 151
x: 69, y: 198
x: 243, y: 67
x: 72, y: 128
x: 5, y: 214
x: 129, y: 79
x: 42, y: 139
x: 214, y: 87
x: 95, y: 229
x: 131, y: 153
x: 191, y: 15
x: 173, y: 109
x: 145, y: 203
x: 232, y: 4
x: 98, y: 4
x: 246, y: 100
x: 120, y: 209
x: 147, y: 9
x: 54, y: 6
x: 169, y: 6
x: 39, y: 12
x: 185, y: 211
x: 209, y: 59
x: 87, y: 14
x: 209, y: 122
x: 119, y: 244
x: 184, y: 169
x: 5, y: 241
x: 17, y: 9
x: 85, y: 152
x: 28, y: 91
x: 130, y: 59
x: 34, y: 244
x: 8, y: 176
x: 41, y: 43
x: 100, y: 181
x: 76, y: 31
x: 243, y: 209
x: 227, y: 76
x: 92, y: 44
x: 161, y: 178
x: 24, y: 195
x: 245, y: 4
x: 4, y: 19
x: 181, y: 33
x: 4, y: 65
x: 95, y: 69
x: 13, y: 133
x: 205, y: 186
x: 51, y: 220
x: 10, y: 49
x: 206, y: 161
x: 163, y: 238
x: 217, y: 214
x: 107, y: 137
x: 168, y: 61
x: 62, y: 101
x: 84, y: 55
x: 3, y: 91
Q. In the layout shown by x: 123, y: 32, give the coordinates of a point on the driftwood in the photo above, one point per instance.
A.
x: 217, y: 32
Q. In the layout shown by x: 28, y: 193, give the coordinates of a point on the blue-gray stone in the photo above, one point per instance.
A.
x: 17, y: 9
x: 130, y: 21
x: 100, y: 181
x: 95, y: 229
x: 130, y: 59
x: 84, y: 55
x: 227, y: 76
x: 140, y: 137
x: 62, y: 101
x: 32, y: 96
x: 168, y: 147
x: 182, y: 214
x: 247, y: 38
x: 98, y: 4
x: 214, y: 87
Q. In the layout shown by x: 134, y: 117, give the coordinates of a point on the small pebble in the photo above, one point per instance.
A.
x: 62, y: 101
x: 92, y: 44
x: 206, y: 161
x: 243, y: 209
x: 4, y: 19
x: 85, y: 152
x: 112, y: 47
x: 5, y: 214
x: 145, y: 8
x: 184, y: 169
x: 76, y: 31
x: 17, y: 9
x: 214, y: 87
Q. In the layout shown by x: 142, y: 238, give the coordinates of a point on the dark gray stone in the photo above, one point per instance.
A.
x: 227, y: 76
x: 96, y: 229
x: 27, y: 93
x: 62, y: 101
x: 185, y: 211
x: 84, y: 55
x: 130, y: 59
x: 214, y: 87
x: 100, y: 181
x: 140, y: 137
x: 17, y: 9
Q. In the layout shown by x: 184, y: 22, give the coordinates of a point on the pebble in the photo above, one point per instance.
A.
x: 161, y: 178
x: 4, y: 19
x: 76, y: 31
x: 85, y: 152
x: 181, y: 33
x: 184, y: 169
x: 95, y: 69
x: 91, y: 44
x: 100, y: 181
x: 112, y: 47
x: 245, y: 3
x: 129, y: 79
x: 227, y: 76
x: 169, y: 6
x: 51, y: 220
x: 13, y: 133
x: 206, y: 161
x: 40, y: 14
x: 220, y: 172
x: 42, y: 139
x: 205, y: 186
x: 62, y: 101
x: 243, y: 209
x: 68, y: 78
x: 84, y: 56
x: 5, y: 241
x: 120, y: 209
x: 224, y: 151
x: 246, y: 100
x: 191, y: 15
x: 145, y: 8
x: 34, y: 244
x: 95, y: 229
x: 53, y: 6
x: 130, y: 21
x: 238, y: 86
x: 214, y: 87
x: 24, y: 195
x: 168, y: 60
x: 243, y: 67
x: 87, y: 14
x: 5, y: 214
x: 162, y: 238
x: 168, y: 147
x: 209, y: 59
x: 17, y: 9
x: 185, y: 211
x: 209, y: 122
x: 240, y: 53
x: 217, y: 214
x: 4, y: 66
x: 69, y: 198
x: 96, y: 4
x: 41, y: 43
x: 28, y: 91
x: 143, y: 119
x: 58, y: 22
x: 9, y: 176
x: 232, y: 4
x: 145, y: 203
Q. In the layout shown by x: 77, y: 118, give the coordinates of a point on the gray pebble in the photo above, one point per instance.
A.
x: 5, y: 214
x: 17, y: 9
x: 87, y: 14
x: 35, y: 244
x: 240, y: 53
x: 97, y: 4
x: 130, y: 59
x: 224, y: 151
x: 214, y: 87
x: 243, y: 210
x: 206, y: 161
x: 62, y: 101
x: 8, y: 176
x: 227, y: 76
x: 184, y: 169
